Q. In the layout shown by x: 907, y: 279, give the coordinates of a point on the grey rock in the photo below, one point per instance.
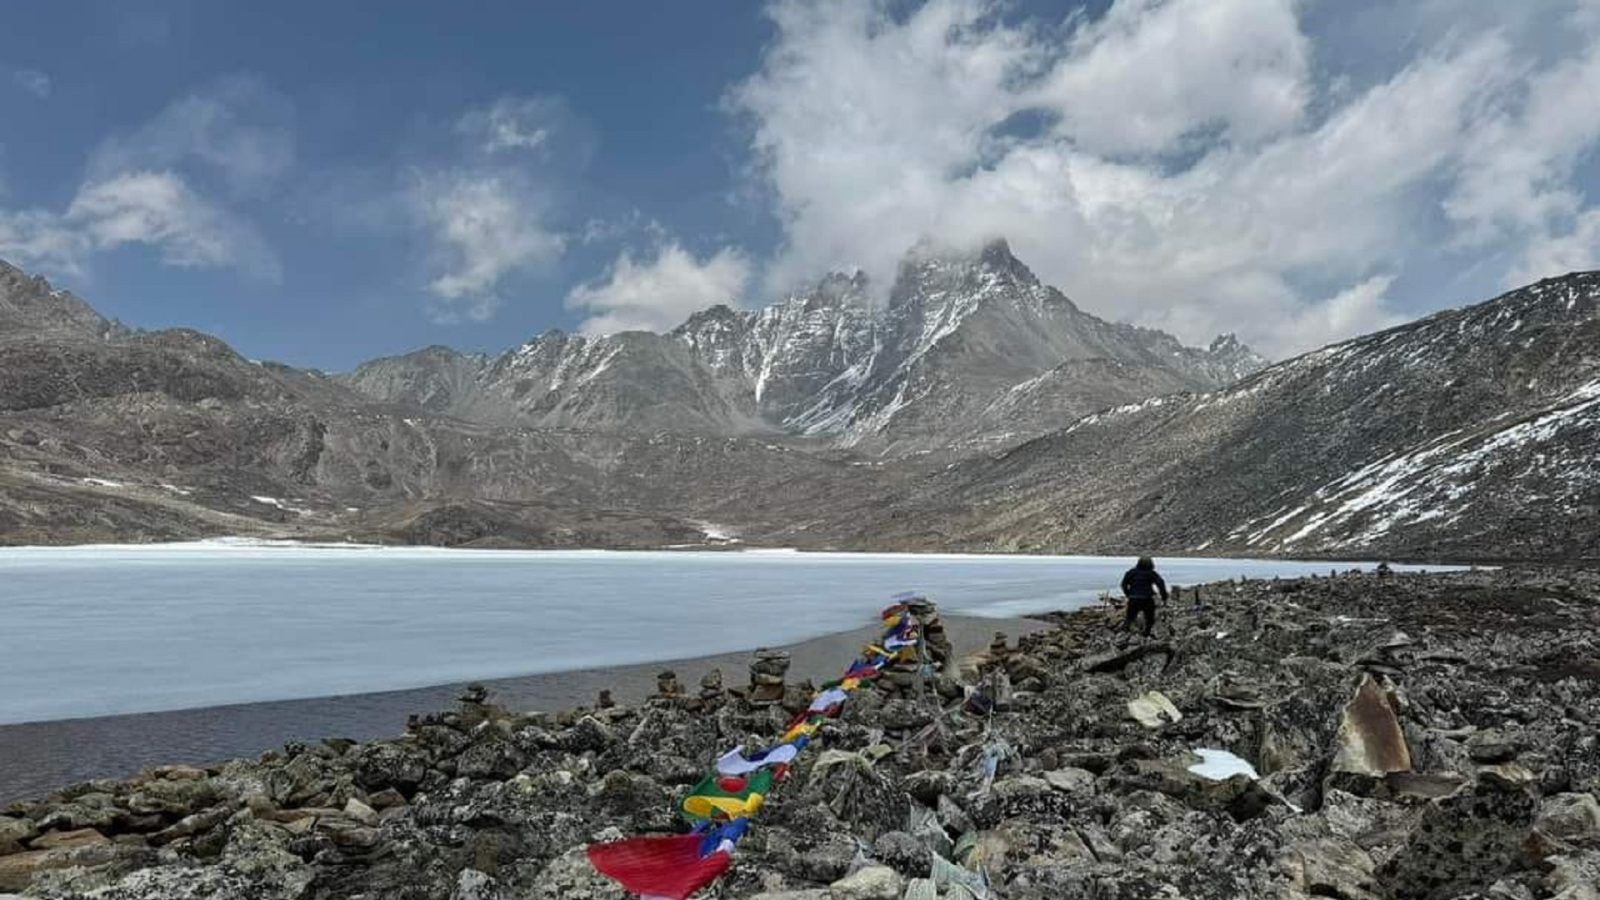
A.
x: 869, y: 883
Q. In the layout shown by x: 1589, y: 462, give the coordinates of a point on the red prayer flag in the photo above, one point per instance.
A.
x: 670, y: 868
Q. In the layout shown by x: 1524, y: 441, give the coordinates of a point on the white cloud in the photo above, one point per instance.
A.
x: 1354, y: 311
x: 236, y: 126
x: 39, y: 238
x: 485, y: 226
x: 486, y: 202
x: 1518, y: 182
x: 659, y: 294
x: 33, y: 81
x: 160, y: 210
x: 513, y: 123
x: 144, y: 188
x: 1149, y: 73
x: 1172, y: 163
x: 1575, y: 250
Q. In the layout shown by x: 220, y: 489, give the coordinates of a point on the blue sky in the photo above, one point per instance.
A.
x: 323, y: 183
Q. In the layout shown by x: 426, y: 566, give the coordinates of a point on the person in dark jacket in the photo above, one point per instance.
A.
x: 1140, y: 586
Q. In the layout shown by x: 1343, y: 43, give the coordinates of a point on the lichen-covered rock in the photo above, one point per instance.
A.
x: 1565, y: 821
x: 570, y: 877
x: 1061, y: 795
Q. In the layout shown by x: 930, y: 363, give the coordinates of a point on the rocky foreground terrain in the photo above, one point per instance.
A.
x: 1428, y: 736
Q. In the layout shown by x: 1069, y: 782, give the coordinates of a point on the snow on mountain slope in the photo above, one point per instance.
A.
x: 957, y: 335
x: 1475, y: 432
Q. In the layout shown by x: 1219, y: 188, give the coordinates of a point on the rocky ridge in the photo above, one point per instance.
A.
x: 1468, y: 434
x: 1361, y: 737
x: 935, y: 367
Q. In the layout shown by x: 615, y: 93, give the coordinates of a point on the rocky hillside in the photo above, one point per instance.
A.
x: 107, y: 434
x: 1472, y: 433
x: 968, y: 349
x: 1426, y: 737
x: 28, y: 304
x: 1469, y: 434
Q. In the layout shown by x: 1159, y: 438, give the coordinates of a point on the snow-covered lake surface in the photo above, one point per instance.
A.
x: 89, y: 631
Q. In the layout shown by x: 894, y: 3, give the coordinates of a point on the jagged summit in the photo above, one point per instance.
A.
x: 925, y: 372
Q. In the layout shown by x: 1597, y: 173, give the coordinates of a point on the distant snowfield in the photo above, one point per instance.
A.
x: 100, y: 630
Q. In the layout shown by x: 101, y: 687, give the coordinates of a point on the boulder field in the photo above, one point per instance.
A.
x: 1353, y: 736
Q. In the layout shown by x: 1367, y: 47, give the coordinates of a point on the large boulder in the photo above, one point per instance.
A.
x: 1330, y: 867
x: 17, y: 869
x: 1369, y: 740
x: 1565, y: 821
x: 14, y: 833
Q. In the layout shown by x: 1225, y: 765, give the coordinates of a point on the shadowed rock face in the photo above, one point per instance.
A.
x: 1370, y: 739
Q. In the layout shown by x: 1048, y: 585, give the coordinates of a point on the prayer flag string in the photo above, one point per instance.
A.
x: 721, y: 806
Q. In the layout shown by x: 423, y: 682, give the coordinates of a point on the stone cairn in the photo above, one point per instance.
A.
x: 711, y: 693
x: 476, y: 708
x: 768, y: 670
x: 668, y: 686
x: 912, y: 677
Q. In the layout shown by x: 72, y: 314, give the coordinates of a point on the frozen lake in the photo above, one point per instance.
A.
x: 92, y: 631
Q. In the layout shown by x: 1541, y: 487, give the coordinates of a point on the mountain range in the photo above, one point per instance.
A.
x: 966, y: 350
x: 974, y: 408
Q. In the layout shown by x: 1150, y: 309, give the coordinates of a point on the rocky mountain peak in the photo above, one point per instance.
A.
x: 713, y: 318
x: 961, y: 330
x: 996, y: 256
x: 28, y: 303
x: 837, y: 289
x: 1227, y: 342
x: 1235, y: 356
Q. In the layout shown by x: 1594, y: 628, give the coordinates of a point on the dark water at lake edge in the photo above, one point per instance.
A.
x: 36, y: 758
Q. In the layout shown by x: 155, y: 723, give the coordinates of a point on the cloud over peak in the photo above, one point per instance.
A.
x: 659, y: 293
x: 1184, y: 164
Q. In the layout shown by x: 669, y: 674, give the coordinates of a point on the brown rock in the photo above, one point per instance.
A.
x: 16, y: 870
x: 1418, y: 786
x: 188, y: 826
x: 1507, y: 776
x: 667, y: 684
x: 386, y: 799
x: 1370, y: 741
x: 349, y: 834
x: 65, y: 840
